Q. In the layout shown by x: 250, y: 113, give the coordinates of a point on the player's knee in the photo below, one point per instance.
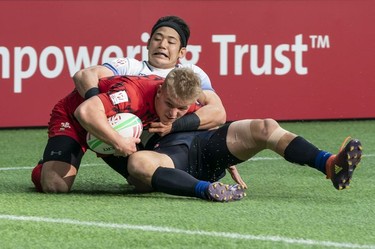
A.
x: 264, y: 128
x: 53, y: 182
x: 138, y: 164
x: 275, y: 134
x: 54, y: 185
x: 270, y: 125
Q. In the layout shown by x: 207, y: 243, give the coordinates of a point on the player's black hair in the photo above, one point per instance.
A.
x: 177, y: 24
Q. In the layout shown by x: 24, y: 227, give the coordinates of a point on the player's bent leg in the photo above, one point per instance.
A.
x: 143, y: 164
x: 57, y: 177
x: 61, y: 159
x: 120, y: 165
x: 246, y: 138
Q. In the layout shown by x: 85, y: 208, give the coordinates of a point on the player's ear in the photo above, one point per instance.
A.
x: 148, y: 43
x: 182, y: 53
x: 158, y: 92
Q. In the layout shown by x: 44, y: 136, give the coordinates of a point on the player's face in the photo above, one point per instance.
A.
x: 169, y: 109
x: 164, y: 48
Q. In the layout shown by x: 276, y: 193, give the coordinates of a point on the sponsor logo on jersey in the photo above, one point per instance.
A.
x: 119, y: 97
x: 64, y: 125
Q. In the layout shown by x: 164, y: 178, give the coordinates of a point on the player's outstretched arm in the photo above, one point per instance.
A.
x: 88, y: 78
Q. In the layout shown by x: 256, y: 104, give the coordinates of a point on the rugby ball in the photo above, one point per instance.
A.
x: 126, y: 124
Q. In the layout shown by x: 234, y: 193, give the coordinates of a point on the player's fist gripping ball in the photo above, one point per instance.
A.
x: 126, y: 124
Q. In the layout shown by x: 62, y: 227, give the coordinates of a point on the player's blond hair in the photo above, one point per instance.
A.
x: 183, y: 84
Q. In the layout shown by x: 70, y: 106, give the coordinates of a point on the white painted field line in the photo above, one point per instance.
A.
x: 159, y: 229
x: 280, y: 158
x: 29, y: 168
x: 100, y: 164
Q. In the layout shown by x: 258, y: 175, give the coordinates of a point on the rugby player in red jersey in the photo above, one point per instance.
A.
x: 141, y: 95
x: 151, y: 98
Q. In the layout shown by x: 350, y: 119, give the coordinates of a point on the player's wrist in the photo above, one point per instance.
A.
x: 188, y: 122
x: 92, y: 92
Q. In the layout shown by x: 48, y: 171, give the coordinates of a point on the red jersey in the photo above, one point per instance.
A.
x: 133, y: 94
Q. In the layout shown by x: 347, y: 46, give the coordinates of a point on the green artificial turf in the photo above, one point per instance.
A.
x: 287, y: 206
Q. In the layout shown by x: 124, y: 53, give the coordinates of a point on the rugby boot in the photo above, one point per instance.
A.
x: 221, y: 192
x: 340, y: 167
x: 36, y: 175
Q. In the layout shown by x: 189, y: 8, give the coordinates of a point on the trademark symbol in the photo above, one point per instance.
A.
x: 319, y: 41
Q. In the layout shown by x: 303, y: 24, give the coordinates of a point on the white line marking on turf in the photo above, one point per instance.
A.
x: 100, y: 164
x: 149, y: 228
x: 27, y: 167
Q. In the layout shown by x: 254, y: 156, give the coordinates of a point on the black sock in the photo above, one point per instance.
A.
x: 302, y: 152
x: 174, y: 182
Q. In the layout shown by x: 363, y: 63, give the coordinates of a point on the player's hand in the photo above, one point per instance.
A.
x: 236, y: 176
x: 160, y: 128
x: 126, y: 146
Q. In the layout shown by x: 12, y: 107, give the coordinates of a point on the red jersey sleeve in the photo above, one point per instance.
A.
x: 194, y: 107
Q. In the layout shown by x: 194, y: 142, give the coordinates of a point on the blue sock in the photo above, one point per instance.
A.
x: 321, y: 159
x: 201, y: 189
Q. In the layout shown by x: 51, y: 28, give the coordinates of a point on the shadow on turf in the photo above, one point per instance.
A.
x: 115, y: 190
x: 91, y: 189
x: 128, y: 191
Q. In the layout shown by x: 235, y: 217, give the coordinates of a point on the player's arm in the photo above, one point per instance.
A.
x: 86, y: 80
x: 236, y: 176
x: 91, y: 115
x: 210, y: 115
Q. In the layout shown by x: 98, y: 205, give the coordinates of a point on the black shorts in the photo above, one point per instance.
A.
x: 63, y: 149
x: 66, y: 149
x: 202, y: 154
x: 117, y: 163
